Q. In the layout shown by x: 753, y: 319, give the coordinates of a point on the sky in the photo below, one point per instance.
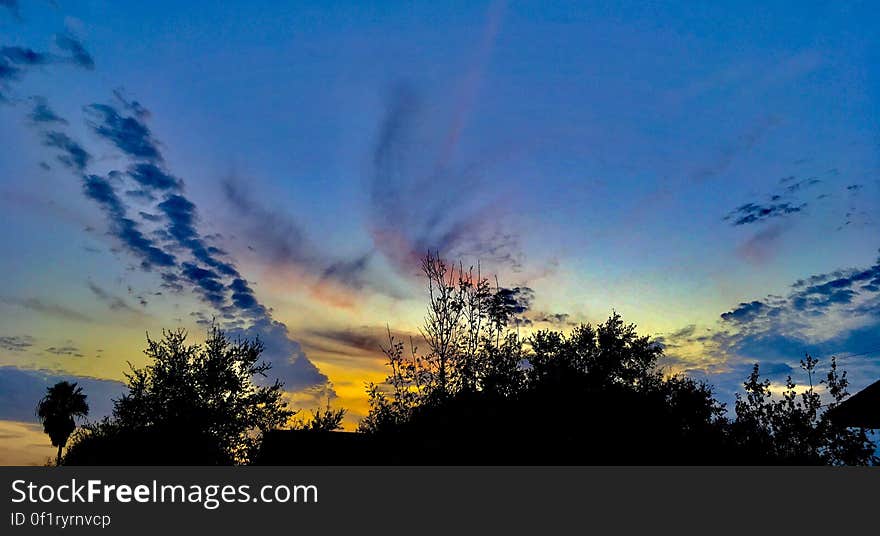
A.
x: 711, y: 172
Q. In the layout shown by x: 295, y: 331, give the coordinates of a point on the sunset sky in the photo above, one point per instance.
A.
x: 710, y: 172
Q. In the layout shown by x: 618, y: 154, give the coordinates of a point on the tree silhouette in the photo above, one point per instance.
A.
x: 192, y: 405
x: 57, y: 410
x: 796, y: 428
x: 482, y: 394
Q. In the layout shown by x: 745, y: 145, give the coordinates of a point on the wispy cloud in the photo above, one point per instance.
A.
x: 752, y: 213
x: 64, y: 351
x: 47, y: 308
x: 175, y: 248
x: 16, y: 61
x: 42, y: 113
x: 279, y: 239
x: 16, y: 343
x: 114, y: 302
x: 419, y: 203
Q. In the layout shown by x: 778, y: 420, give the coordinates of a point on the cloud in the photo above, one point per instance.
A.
x: 181, y: 215
x: 178, y: 250
x: 515, y: 301
x: 206, y: 268
x: 15, y: 61
x: 208, y: 281
x: 78, y: 53
x: 277, y: 237
x: 67, y: 351
x: 289, y: 363
x: 42, y: 113
x: 152, y: 177
x: 420, y: 201
x: 836, y: 313
x: 762, y: 245
x: 752, y: 213
x: 115, y: 303
x: 51, y: 309
x: 127, y: 133
x: 21, y: 389
x: 16, y: 343
x: 818, y: 314
x: 73, y: 156
x: 100, y: 190
x: 350, y: 342
x: 742, y: 145
x: 556, y: 319
x: 795, y: 187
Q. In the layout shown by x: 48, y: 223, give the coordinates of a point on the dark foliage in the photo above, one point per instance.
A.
x: 482, y: 395
x: 193, y: 405
x: 63, y: 402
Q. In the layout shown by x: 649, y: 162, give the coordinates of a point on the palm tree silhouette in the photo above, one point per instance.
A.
x: 56, y: 410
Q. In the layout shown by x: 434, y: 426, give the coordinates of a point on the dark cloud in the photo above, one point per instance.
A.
x: 65, y: 351
x: 752, y: 213
x: 127, y: 133
x: 514, y: 301
x: 115, y: 303
x: 20, y: 389
x: 126, y: 230
x: 171, y: 282
x: 782, y: 203
x: 15, y: 61
x: 243, y: 297
x: 208, y: 281
x: 51, y: 309
x: 132, y: 106
x: 72, y: 154
x: 24, y: 57
x: 352, y: 273
x: 42, y: 113
x: 149, y: 217
x: 181, y: 215
x: 350, y: 342
x: 77, y: 51
x: 744, y: 312
x: 559, y: 319
x: 684, y: 333
x: 16, y: 343
x: 152, y: 177
x: 802, y: 184
x: 177, y: 248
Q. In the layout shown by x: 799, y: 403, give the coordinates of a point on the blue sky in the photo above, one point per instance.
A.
x: 672, y: 161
